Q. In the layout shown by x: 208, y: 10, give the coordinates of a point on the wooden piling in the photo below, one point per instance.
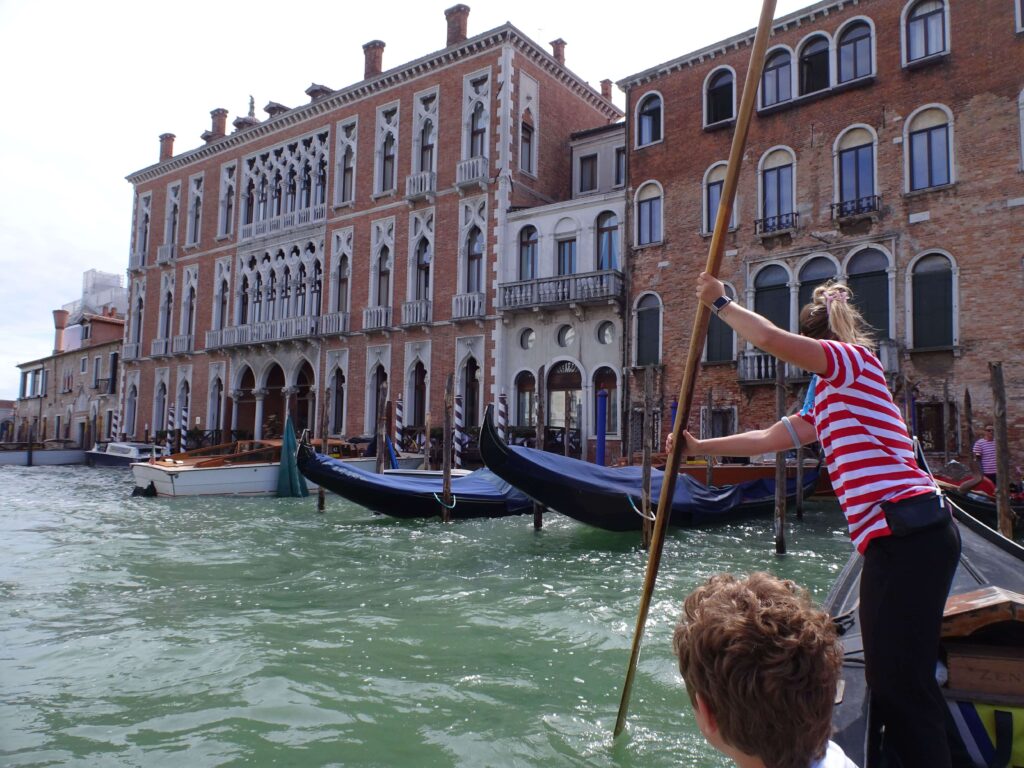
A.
x: 780, y: 462
x: 1005, y: 515
x: 321, y: 495
x: 645, y: 495
x: 446, y: 451
x: 538, y: 509
x: 382, y: 449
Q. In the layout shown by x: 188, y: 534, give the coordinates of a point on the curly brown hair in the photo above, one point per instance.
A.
x: 765, y: 661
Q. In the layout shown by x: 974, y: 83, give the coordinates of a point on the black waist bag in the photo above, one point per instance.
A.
x: 918, y: 513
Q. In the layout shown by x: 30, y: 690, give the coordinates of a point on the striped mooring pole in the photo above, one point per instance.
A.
x: 399, y: 422
x: 457, y: 437
x: 184, y: 427
x: 503, y: 417
x: 169, y: 438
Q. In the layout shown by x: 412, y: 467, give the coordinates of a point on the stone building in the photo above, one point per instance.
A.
x: 72, y: 394
x: 886, y: 149
x: 303, y: 261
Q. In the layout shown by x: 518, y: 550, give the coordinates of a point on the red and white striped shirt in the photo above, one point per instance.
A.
x: 868, y: 451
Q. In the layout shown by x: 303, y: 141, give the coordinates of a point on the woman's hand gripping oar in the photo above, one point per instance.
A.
x: 700, y: 329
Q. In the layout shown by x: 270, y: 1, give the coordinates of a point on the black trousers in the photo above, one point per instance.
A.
x: 903, y: 591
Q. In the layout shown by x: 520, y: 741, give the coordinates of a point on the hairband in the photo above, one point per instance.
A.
x: 836, y: 294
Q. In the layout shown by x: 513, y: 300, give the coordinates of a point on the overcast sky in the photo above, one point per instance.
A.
x: 87, y: 87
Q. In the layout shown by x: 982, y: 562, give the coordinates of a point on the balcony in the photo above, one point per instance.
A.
x: 782, y: 224
x: 165, y: 253
x: 102, y: 386
x: 472, y: 171
x: 467, y: 306
x: 857, y: 208
x: 270, y: 331
x: 334, y: 323
x: 376, y: 318
x: 416, y: 312
x: 759, y: 367
x: 183, y: 344
x: 420, y: 186
x: 283, y: 222
x: 130, y: 351
x: 587, y: 288
x: 160, y: 348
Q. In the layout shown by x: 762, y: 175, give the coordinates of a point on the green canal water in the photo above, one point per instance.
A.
x: 230, y: 632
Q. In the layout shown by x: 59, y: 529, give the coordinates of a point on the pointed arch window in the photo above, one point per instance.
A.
x: 477, y: 131
x: 342, y: 298
x: 384, y: 277
x: 474, y: 261
x: 427, y: 146
x: 168, y: 307
x: 222, y: 306
x: 423, y: 259
x: 471, y: 393
x: 338, y: 397
x: 243, y: 302
x: 419, y: 395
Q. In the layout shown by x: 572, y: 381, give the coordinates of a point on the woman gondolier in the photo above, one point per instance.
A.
x: 896, y: 520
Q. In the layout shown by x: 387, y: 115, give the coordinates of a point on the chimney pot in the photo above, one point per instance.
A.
x: 558, y: 50
x: 60, y: 322
x: 218, y: 125
x: 374, y: 53
x: 458, y: 21
x: 606, y: 89
x: 166, y: 146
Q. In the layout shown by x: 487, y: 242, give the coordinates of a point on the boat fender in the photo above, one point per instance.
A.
x: 440, y: 501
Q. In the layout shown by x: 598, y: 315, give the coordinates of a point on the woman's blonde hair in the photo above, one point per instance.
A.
x: 831, y: 315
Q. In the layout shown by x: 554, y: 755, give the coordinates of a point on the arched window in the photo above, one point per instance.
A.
x: 814, y: 69
x: 378, y: 382
x: 422, y: 283
x: 930, y: 141
x: 300, y: 292
x: 604, y: 378
x: 272, y: 298
x: 648, y: 214
x: 777, y: 192
x: 338, y: 403
x: 348, y: 171
x: 160, y: 408
x: 257, y: 299
x: 854, y: 58
x: 384, y: 277
x: 869, y: 281
x: 427, y: 146
x: 471, y: 393
x: 168, y: 308
x: 607, y: 241
x: 137, y: 321
x: 243, y: 302
x: 932, y: 283
x: 387, y: 163
x: 856, y: 167
x: 721, y: 342
x: 474, y: 261
x: 477, y: 131
x: 777, y: 80
x: 714, y: 184
x: 771, y: 295
x: 222, y: 305
x: 528, y: 253
x: 342, y: 305
x: 718, y: 101
x: 648, y: 330
x: 190, y: 311
x: 131, y: 404
x: 526, y: 143
x: 815, y: 272
x: 649, y: 120
x: 526, y: 402
x: 926, y: 30
x: 419, y: 395
x: 316, y: 289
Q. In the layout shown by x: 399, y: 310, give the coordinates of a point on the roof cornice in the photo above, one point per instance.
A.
x: 744, y: 39
x: 506, y: 34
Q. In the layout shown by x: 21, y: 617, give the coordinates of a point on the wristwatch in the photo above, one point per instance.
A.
x: 720, y: 303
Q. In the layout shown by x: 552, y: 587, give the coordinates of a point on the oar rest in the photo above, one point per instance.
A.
x: 983, y: 637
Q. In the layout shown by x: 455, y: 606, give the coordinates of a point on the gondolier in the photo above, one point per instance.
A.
x: 985, y: 452
x: 897, y: 521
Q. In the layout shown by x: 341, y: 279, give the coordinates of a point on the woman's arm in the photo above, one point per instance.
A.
x: 773, y: 439
x: 802, y: 351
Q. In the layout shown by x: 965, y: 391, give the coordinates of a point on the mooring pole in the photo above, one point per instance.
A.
x: 1002, y: 450
x: 446, y: 451
x: 780, y: 462
x: 645, y: 494
x: 538, y: 509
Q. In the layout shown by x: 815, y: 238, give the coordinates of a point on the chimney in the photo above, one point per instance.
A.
x: 316, y: 92
x: 458, y: 19
x: 166, y: 146
x: 606, y: 90
x: 218, y: 126
x: 274, y: 109
x: 558, y: 50
x: 60, y: 322
x: 374, y: 53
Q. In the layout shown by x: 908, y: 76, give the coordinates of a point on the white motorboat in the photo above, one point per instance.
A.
x: 241, y: 468
x: 122, y: 453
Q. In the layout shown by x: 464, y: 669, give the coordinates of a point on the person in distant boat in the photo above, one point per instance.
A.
x: 896, y: 519
x: 761, y: 665
x: 985, y: 452
x: 272, y: 427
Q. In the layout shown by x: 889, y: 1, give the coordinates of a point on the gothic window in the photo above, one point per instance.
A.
x: 346, y: 153
x: 343, y: 273
x: 471, y: 393
x: 474, y: 260
x: 423, y: 259
x: 227, y: 199
x: 173, y: 211
x: 222, y: 306
x: 384, y: 278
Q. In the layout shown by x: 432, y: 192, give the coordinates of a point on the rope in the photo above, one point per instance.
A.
x: 441, y: 502
x: 629, y: 498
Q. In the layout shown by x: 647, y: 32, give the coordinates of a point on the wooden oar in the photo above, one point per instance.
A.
x: 700, y: 329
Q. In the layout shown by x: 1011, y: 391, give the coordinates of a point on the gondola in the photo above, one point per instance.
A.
x: 610, y: 497
x: 413, y: 495
x: 981, y: 506
x: 987, y: 592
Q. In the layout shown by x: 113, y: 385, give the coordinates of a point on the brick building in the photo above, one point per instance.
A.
x: 72, y: 394
x: 309, y: 258
x: 887, y: 149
